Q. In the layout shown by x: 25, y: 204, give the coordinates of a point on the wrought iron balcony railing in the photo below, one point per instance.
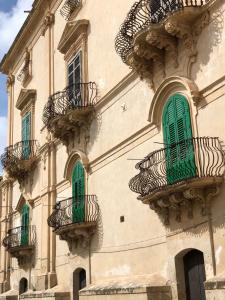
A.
x: 19, y: 158
x: 144, y: 13
x: 79, y: 210
x: 69, y: 7
x: 74, y: 97
x: 196, y: 158
x: 20, y: 237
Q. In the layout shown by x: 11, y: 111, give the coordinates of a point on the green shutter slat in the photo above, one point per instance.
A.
x: 25, y: 225
x: 26, y: 135
x: 177, y: 131
x: 78, y: 193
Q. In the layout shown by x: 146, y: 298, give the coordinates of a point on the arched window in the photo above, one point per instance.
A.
x: 177, y: 133
x: 78, y: 193
x: 25, y: 225
x: 23, y: 286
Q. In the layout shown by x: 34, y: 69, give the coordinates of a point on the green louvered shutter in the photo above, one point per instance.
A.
x: 25, y: 225
x: 26, y: 133
x: 177, y: 133
x: 78, y: 192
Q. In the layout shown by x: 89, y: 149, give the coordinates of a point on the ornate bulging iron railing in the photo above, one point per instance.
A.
x: 193, y: 158
x: 69, y: 7
x: 23, y: 150
x: 144, y: 13
x: 19, y: 158
x: 23, y: 236
x: 82, y: 209
x: 76, y: 96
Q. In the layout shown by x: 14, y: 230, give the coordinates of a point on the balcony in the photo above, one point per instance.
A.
x: 70, y: 109
x: 152, y: 30
x: 20, y: 159
x: 20, y: 241
x: 179, y: 176
x: 69, y: 7
x: 75, y: 219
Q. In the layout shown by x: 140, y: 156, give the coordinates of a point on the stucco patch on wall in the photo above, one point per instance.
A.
x: 218, y: 253
x: 119, y: 271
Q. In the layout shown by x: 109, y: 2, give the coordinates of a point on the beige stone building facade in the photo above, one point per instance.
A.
x: 88, y: 100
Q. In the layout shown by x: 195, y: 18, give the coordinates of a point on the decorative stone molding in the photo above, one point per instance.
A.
x: 48, y: 22
x: 25, y: 74
x: 164, y: 41
x: 25, y: 99
x: 72, y: 31
x: 10, y: 81
x: 74, y: 156
x: 143, y: 67
x: 169, y: 86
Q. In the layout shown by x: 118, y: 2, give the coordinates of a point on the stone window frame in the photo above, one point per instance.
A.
x: 26, y: 104
x: 73, y: 41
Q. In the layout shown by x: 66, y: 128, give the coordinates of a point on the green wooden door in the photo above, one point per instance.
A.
x: 25, y: 225
x: 78, y: 192
x: 26, y: 133
x: 177, y: 133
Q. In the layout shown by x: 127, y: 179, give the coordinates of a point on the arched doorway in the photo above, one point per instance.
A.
x: 79, y: 282
x: 190, y: 273
x: 23, y: 285
x: 194, y: 272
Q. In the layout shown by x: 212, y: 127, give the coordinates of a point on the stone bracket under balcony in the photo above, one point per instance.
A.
x: 21, y: 251
x: 78, y: 234
x: 149, y: 39
x: 180, y: 199
x: 63, y: 127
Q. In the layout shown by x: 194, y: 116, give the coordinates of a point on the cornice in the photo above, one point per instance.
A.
x: 25, y: 96
x: 72, y: 31
x: 34, y: 19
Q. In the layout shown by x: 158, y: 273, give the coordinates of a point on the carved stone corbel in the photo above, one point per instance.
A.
x: 195, y: 194
x: 10, y: 81
x: 143, y: 67
x: 202, y: 22
x: 163, y: 41
x: 164, y: 204
x: 175, y: 204
x: 148, y: 52
x: 48, y: 21
x: 188, y: 205
x: 183, y: 32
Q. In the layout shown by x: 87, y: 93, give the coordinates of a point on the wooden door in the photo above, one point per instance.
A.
x: 78, y: 192
x: 177, y: 134
x: 194, y: 269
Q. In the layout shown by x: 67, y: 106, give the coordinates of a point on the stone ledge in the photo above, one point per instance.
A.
x: 149, y: 284
x: 215, y: 284
x: 46, y: 294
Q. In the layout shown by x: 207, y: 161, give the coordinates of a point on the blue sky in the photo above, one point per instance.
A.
x: 12, y: 17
